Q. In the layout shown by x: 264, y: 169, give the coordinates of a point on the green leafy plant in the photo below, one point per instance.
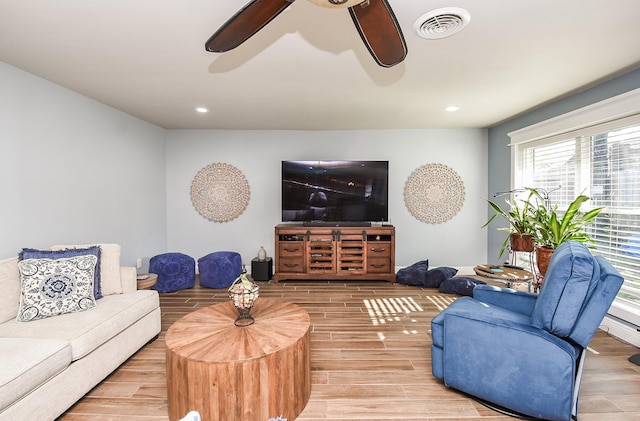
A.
x: 518, y: 216
x: 553, y: 227
x: 243, y: 280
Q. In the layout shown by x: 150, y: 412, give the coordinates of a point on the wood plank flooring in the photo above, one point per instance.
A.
x: 370, y: 360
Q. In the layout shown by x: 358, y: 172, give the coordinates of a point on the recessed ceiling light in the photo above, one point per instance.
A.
x: 202, y: 110
x: 452, y: 108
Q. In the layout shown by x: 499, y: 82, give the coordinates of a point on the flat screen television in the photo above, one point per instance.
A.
x: 335, y: 192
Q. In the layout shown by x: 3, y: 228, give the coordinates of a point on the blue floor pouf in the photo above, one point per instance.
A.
x: 219, y: 269
x: 175, y: 271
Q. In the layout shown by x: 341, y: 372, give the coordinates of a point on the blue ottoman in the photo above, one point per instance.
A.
x: 219, y: 269
x: 175, y: 271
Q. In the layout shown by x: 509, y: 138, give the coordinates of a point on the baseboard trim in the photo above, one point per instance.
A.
x: 622, y: 330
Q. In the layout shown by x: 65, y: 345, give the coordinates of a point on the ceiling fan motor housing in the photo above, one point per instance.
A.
x: 336, y: 4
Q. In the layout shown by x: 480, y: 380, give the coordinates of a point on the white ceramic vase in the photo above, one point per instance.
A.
x: 262, y: 254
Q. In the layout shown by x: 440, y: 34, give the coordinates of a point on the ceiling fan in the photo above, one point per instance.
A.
x: 374, y: 20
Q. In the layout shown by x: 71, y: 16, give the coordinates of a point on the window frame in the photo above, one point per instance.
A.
x: 597, y: 118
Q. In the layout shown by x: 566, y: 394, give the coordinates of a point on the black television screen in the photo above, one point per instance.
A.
x: 335, y: 191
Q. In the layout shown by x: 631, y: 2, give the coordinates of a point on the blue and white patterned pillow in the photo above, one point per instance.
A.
x: 30, y: 253
x: 51, y: 287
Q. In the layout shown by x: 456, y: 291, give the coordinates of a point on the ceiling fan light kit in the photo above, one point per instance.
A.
x: 373, y: 19
x: 441, y: 23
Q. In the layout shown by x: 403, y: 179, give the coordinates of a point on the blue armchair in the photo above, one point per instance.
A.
x: 524, y: 352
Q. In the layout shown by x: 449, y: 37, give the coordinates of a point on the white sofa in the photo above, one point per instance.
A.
x: 46, y: 365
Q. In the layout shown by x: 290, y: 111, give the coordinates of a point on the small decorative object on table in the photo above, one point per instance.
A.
x: 277, y: 419
x: 243, y: 294
x: 146, y: 280
x: 508, y: 274
x: 262, y: 254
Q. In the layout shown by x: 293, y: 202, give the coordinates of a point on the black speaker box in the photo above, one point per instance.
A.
x: 261, y: 270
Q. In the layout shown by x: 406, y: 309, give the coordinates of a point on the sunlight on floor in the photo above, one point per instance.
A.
x: 441, y: 302
x: 383, y: 310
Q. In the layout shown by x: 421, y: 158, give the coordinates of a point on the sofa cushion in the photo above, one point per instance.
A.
x: 110, y: 282
x: 419, y: 275
x: 85, y: 331
x: 28, y: 253
x: 26, y: 363
x: 415, y: 274
x: 438, y: 275
x: 460, y: 285
x: 570, y: 280
x: 51, y: 287
x: 10, y: 283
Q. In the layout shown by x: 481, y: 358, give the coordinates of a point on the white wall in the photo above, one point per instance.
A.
x: 258, y: 154
x: 73, y: 170
x: 76, y: 171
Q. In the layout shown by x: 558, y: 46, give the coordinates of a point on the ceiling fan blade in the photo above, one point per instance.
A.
x: 244, y: 24
x: 379, y: 29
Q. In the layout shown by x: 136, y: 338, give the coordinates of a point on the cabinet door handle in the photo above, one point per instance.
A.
x: 378, y: 266
x: 291, y: 265
x: 378, y: 250
x: 291, y: 250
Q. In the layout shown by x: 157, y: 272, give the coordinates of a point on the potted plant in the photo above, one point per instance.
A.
x: 553, y: 228
x: 521, y: 228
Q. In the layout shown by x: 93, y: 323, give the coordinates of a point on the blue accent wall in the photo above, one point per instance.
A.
x: 499, y: 171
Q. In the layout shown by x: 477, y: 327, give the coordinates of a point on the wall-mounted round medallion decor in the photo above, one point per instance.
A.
x: 220, y: 192
x: 434, y: 193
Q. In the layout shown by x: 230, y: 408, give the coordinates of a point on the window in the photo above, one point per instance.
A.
x: 601, y: 160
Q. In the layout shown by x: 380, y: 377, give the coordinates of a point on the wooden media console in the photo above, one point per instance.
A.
x: 334, y: 252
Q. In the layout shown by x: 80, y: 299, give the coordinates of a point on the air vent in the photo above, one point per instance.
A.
x: 441, y: 23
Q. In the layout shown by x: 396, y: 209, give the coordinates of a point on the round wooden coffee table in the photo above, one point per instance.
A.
x: 250, y: 373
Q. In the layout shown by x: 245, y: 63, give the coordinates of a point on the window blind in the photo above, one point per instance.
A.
x: 603, y: 162
x: 615, y: 175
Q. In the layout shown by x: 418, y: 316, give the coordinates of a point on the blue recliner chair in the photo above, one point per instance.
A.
x: 522, y: 352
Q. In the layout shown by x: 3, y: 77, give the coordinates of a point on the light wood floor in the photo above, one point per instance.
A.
x: 370, y: 360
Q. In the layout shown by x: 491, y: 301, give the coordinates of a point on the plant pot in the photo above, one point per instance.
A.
x: 519, y: 242
x: 543, y: 256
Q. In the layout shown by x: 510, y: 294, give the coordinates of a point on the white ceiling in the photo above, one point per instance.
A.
x: 308, y: 69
